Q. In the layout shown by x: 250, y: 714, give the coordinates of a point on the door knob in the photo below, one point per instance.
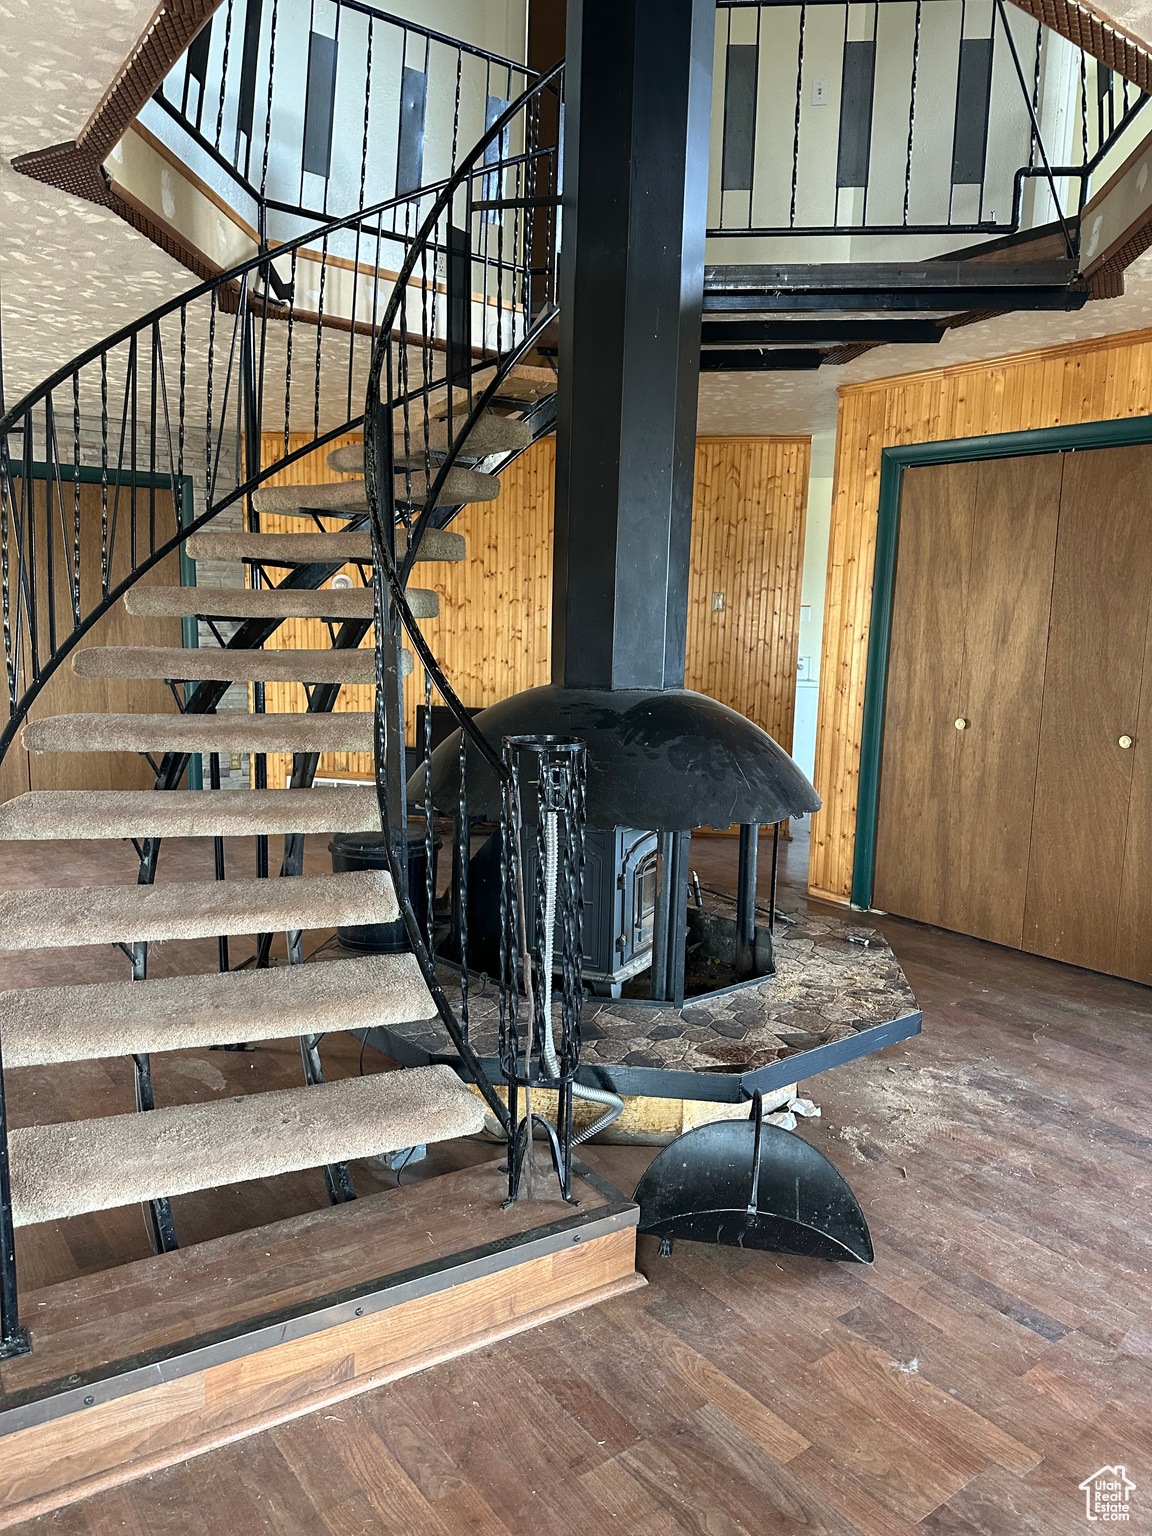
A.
x: 961, y: 724
x: 1125, y: 742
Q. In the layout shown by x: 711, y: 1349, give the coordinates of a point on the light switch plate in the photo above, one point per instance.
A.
x: 819, y: 93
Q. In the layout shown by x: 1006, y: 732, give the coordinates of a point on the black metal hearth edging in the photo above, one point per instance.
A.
x: 661, y: 1083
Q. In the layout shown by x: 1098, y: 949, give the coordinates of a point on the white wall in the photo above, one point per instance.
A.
x: 498, y: 26
x: 816, y: 532
x: 932, y: 199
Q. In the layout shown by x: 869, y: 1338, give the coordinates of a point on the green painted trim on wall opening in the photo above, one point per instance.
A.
x: 91, y: 474
x: 1121, y: 433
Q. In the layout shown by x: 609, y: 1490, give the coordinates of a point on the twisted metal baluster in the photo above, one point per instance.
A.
x: 1032, y: 135
x: 320, y: 334
x: 796, y: 123
x: 268, y: 110
x: 224, y: 73
x: 1084, y: 107
x: 463, y: 833
x: 429, y: 839
x: 5, y: 573
x: 152, y: 442
x: 912, y: 109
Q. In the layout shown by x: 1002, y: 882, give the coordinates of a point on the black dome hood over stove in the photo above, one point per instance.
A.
x: 667, y: 758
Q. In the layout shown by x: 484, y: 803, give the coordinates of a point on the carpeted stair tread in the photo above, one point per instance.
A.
x: 43, y: 1025
x: 227, y: 664
x: 491, y: 434
x: 50, y: 917
x: 92, y: 1165
x: 460, y: 487
x: 527, y: 383
x: 438, y: 544
x: 230, y: 731
x: 84, y: 813
x: 336, y: 603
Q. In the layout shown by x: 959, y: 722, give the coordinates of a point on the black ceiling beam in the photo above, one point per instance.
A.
x: 762, y: 333
x: 760, y: 359
x: 833, y: 302
x: 836, y: 276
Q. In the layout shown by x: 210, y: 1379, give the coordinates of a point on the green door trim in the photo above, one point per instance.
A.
x: 91, y: 474
x: 893, y: 462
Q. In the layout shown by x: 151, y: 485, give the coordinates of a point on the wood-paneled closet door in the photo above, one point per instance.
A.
x: 925, y: 660
x: 1014, y: 536
x: 965, y: 680
x: 1134, y: 925
x: 1084, y: 790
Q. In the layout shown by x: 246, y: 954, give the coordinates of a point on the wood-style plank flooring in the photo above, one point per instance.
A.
x: 999, y: 1352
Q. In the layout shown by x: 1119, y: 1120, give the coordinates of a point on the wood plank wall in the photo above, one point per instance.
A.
x: 1057, y: 386
x: 493, y: 634
x: 748, y: 542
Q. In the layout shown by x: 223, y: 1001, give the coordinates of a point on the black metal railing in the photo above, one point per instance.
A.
x: 302, y: 110
x: 441, y: 363
x: 110, y: 464
x: 899, y: 117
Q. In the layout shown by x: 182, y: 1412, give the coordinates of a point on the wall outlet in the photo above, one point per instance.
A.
x: 234, y: 762
x: 717, y: 602
x: 819, y: 93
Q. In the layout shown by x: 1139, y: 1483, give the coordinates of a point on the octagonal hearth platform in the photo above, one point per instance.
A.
x: 838, y: 993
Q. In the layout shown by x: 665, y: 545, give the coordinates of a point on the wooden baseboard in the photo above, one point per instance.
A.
x: 105, y: 1443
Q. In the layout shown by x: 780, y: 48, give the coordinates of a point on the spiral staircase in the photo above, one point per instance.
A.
x: 443, y: 417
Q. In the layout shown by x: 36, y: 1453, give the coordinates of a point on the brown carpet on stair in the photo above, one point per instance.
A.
x: 343, y: 731
x: 438, y: 544
x: 214, y: 663
x: 91, y: 1165
x: 491, y: 434
x: 59, y: 813
x: 52, y: 917
x: 42, y: 1025
x: 460, y: 487
x: 335, y: 603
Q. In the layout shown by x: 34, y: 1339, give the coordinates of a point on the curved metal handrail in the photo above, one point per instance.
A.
x: 476, y: 279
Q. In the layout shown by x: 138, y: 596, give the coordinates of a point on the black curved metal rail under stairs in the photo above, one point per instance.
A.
x: 191, y: 392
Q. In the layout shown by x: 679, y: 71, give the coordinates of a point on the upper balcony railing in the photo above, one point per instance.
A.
x: 902, y: 117
x: 312, y: 108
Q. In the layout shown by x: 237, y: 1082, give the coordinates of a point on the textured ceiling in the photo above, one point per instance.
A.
x: 72, y: 272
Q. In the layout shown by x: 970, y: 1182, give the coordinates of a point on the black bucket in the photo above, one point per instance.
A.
x: 366, y: 850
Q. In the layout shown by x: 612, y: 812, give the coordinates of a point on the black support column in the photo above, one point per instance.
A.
x: 637, y: 125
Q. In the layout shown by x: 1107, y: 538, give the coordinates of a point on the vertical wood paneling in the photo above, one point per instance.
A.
x: 493, y: 635
x: 751, y: 495
x: 1095, y: 381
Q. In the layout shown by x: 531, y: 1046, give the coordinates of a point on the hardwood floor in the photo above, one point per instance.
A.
x: 997, y: 1354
